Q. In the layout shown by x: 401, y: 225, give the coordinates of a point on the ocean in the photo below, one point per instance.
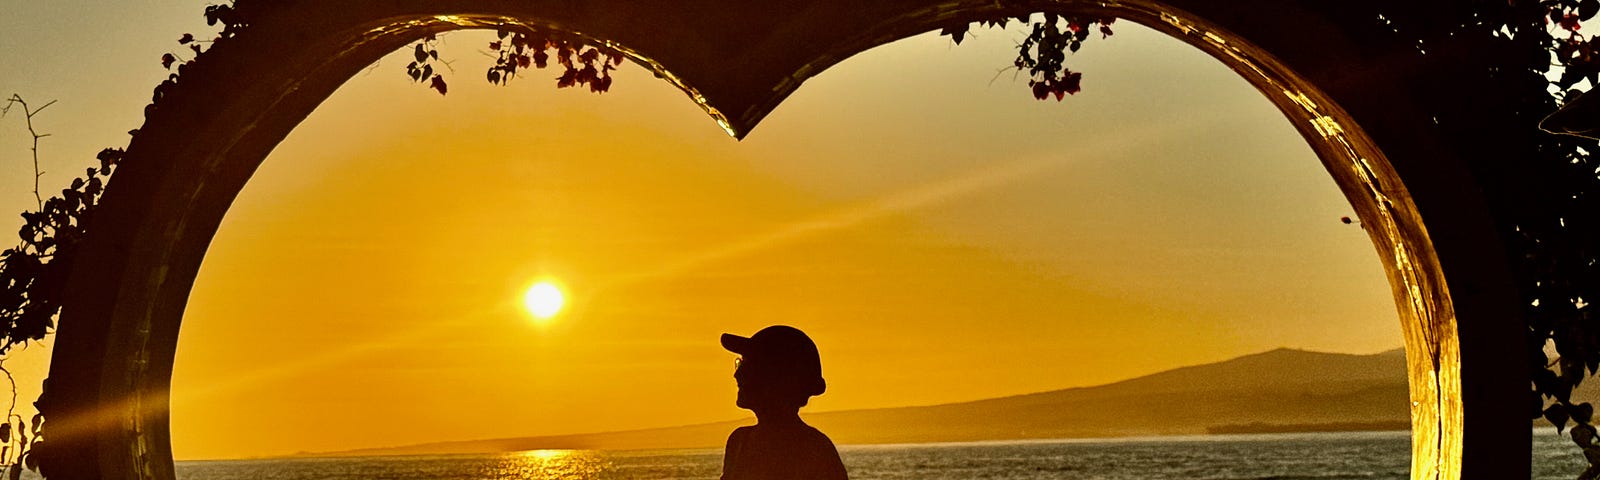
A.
x: 1305, y: 456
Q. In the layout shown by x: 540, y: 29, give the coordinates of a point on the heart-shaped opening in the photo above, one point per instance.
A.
x: 112, y: 388
x: 945, y: 237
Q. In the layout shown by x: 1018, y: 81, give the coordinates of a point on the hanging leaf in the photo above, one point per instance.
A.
x: 438, y: 84
x: 956, y: 33
x: 1557, y: 415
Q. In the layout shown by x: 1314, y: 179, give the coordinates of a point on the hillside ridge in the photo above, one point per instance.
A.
x: 1282, y: 386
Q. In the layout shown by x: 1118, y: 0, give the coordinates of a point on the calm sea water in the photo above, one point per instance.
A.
x: 1319, y: 456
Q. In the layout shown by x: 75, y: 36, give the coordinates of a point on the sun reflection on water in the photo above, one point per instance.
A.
x: 553, y: 464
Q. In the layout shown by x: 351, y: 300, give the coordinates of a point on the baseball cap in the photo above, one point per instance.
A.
x: 783, y: 349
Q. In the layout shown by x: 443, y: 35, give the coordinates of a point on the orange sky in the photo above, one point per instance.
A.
x: 939, y: 233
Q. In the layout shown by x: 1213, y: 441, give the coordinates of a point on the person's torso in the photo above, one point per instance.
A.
x: 800, y: 453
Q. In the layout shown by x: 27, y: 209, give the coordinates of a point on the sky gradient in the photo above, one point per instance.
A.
x: 939, y: 233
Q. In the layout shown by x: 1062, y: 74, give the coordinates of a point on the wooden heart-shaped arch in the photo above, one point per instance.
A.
x: 106, y: 400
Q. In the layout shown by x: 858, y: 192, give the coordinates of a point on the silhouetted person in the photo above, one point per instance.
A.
x: 778, y: 372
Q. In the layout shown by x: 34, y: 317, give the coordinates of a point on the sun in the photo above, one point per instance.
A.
x: 543, y: 300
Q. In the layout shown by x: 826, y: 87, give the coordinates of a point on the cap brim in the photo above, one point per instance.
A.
x: 735, y: 343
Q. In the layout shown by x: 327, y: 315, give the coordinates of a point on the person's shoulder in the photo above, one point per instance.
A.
x: 819, y: 441
x: 826, y: 455
x: 815, y: 434
x: 740, y: 433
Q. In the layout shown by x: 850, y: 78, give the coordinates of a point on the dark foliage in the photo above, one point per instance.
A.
x: 1043, y: 54
x: 583, y: 65
x: 520, y: 48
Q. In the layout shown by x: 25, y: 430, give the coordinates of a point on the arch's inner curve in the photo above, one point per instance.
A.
x: 205, y: 138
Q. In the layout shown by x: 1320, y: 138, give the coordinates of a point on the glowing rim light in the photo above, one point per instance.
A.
x: 544, y: 300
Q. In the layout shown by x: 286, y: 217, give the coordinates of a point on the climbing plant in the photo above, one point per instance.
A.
x: 1558, y: 229
x: 33, y: 276
x: 1043, y: 53
x: 521, y: 47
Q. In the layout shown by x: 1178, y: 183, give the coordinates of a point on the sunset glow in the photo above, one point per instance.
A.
x: 521, y: 260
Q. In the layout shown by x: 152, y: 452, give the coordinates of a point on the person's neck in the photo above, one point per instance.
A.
x: 777, y: 417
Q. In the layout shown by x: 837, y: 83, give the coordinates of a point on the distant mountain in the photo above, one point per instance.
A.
x: 1278, y: 390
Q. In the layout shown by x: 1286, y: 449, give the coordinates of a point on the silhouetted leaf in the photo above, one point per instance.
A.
x: 956, y: 33
x: 420, y: 54
x: 438, y: 84
x: 1569, y: 22
x: 167, y: 59
x: 1557, y: 415
x: 1072, y: 83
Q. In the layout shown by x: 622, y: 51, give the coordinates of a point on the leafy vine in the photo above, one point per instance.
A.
x: 519, y: 48
x: 1560, y: 242
x: 1043, y: 53
x: 33, y: 276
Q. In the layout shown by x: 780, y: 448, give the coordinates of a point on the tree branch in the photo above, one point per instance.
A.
x: 28, y: 117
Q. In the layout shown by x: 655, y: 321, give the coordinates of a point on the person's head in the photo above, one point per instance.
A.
x: 778, y: 368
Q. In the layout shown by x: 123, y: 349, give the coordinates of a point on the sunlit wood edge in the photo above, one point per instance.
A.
x: 1390, y: 217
